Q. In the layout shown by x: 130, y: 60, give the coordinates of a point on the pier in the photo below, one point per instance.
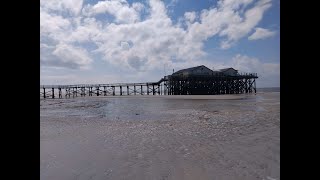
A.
x: 116, y: 89
x: 198, y: 80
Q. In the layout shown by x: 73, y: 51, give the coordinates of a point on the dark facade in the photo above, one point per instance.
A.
x: 201, y: 80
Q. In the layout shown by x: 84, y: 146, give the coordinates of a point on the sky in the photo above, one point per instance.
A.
x: 119, y: 41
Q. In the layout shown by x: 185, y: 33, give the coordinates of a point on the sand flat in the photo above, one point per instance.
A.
x: 177, y: 137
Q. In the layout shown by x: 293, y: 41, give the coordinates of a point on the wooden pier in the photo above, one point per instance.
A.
x: 118, y: 89
x: 198, y: 80
x: 211, y: 85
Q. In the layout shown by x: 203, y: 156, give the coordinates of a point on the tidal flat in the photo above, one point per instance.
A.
x: 161, y: 137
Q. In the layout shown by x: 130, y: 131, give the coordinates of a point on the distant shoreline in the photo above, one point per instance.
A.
x: 269, y: 89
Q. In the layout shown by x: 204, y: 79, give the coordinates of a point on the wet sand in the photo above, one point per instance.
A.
x: 231, y: 137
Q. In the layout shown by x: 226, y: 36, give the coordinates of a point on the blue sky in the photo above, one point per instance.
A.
x: 112, y: 41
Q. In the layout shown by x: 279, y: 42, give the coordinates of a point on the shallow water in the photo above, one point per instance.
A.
x: 141, y: 108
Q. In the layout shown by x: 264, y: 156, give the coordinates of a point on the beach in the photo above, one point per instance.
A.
x: 161, y: 137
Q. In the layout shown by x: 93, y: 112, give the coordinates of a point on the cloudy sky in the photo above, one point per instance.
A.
x: 110, y: 41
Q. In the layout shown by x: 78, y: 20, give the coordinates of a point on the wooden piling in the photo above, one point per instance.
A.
x: 52, y: 93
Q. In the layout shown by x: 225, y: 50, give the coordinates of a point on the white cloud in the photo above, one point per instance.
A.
x: 121, y: 10
x: 231, y: 19
x: 153, y: 41
x: 250, y: 64
x: 261, y: 33
x: 64, y: 55
x: 170, y: 5
x: 130, y: 41
x: 268, y: 73
x: 70, y: 6
x: 56, y: 48
x: 51, y: 24
x: 241, y: 26
x: 71, y: 54
x: 138, y: 7
x: 190, y: 16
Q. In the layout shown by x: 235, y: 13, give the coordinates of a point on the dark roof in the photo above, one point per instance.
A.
x: 225, y: 69
x: 188, y: 69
